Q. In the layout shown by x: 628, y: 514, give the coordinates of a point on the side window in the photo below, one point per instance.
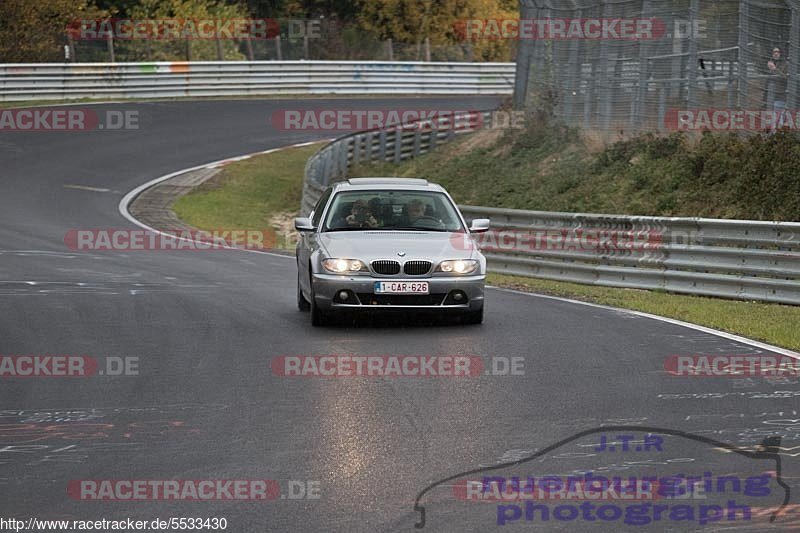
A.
x: 320, y: 207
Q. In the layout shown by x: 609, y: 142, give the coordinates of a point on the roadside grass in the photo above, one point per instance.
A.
x: 264, y: 190
x: 549, y: 167
x: 771, y: 323
x: 257, y: 193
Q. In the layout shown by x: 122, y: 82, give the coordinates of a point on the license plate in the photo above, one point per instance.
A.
x: 401, y: 287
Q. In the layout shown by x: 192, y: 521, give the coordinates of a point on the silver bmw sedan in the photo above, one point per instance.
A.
x: 389, y: 244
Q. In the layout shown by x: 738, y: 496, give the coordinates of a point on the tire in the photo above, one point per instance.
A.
x: 474, y: 317
x: 318, y: 317
x: 302, y: 303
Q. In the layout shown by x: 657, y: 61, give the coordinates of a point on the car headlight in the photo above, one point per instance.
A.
x: 343, y: 266
x: 458, y: 266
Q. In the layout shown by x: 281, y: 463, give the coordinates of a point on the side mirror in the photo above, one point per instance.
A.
x: 480, y: 225
x: 303, y: 224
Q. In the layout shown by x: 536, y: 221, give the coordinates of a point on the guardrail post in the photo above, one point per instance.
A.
x: 327, y: 166
x: 382, y: 145
x: 417, y: 141
x: 398, y: 144
x: 344, y: 149
x: 368, y: 148
x: 357, y: 150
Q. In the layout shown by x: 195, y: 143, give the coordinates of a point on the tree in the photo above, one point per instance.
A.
x: 35, y: 30
x: 170, y: 50
x: 412, y: 21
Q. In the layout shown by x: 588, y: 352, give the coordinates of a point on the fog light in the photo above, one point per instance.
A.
x: 343, y: 295
x: 458, y: 297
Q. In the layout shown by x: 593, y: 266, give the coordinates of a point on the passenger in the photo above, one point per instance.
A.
x: 360, y: 216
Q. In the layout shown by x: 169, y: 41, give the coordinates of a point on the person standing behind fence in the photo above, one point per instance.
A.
x: 779, y: 70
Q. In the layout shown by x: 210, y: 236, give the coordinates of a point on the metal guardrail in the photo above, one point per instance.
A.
x: 747, y: 260
x: 56, y: 81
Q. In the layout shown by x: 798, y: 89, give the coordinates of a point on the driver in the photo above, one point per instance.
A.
x: 416, y: 210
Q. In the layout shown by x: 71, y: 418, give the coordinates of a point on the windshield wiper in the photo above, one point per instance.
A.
x: 419, y: 229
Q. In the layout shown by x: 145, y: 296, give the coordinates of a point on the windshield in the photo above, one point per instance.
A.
x: 392, y: 210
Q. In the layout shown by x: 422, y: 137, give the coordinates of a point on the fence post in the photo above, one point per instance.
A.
x: 744, y: 32
x: 589, y: 97
x: 691, y: 89
x: 731, y: 97
x: 525, y: 58
x: 249, y: 43
x: 218, y: 43
x: 70, y: 51
x: 602, y: 91
x: 637, y: 120
x: 793, y: 97
x: 110, y: 43
x: 574, y: 79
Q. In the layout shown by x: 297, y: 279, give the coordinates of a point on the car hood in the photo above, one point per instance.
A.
x: 371, y: 245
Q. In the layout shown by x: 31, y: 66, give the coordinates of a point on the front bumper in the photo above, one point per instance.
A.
x: 441, y: 294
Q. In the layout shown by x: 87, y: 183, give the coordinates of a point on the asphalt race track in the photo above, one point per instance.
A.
x: 206, y: 405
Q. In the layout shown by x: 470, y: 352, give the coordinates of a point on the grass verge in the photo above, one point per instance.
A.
x: 772, y: 323
x: 261, y: 192
x: 266, y: 189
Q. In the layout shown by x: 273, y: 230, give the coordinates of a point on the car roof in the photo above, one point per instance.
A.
x: 388, y: 183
